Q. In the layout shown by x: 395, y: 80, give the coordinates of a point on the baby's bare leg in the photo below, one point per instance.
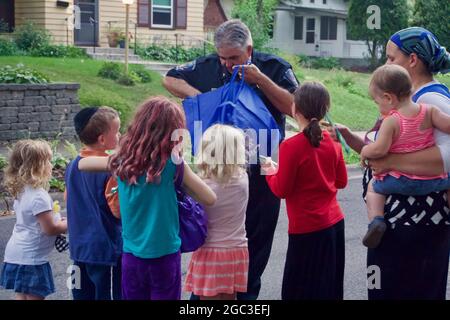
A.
x: 375, y: 203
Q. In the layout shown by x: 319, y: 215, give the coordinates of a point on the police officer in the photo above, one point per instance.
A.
x: 274, y: 81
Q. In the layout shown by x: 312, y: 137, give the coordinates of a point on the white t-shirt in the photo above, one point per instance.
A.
x: 29, y: 245
x: 226, y: 218
x: 443, y: 103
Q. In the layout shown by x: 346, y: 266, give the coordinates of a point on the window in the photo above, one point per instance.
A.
x: 143, y: 13
x: 324, y: 1
x: 310, y: 30
x: 168, y: 14
x: 298, y: 28
x: 6, y: 16
x: 328, y: 28
x: 162, y: 13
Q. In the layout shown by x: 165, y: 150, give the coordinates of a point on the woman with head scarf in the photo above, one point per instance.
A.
x: 412, y: 259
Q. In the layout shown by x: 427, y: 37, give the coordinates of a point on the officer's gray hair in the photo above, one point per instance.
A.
x: 233, y: 34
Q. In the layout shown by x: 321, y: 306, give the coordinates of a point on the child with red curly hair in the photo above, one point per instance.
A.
x: 145, y: 170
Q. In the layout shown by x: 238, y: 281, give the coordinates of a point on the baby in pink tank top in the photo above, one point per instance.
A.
x: 407, y: 127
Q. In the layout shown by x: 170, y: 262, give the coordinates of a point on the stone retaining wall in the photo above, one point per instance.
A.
x: 38, y: 110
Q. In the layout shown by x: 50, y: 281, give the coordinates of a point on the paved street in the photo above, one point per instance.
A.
x: 354, y: 286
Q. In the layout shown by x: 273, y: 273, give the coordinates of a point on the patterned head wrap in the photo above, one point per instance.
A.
x: 423, y: 43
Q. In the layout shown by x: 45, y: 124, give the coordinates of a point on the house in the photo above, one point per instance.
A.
x: 89, y: 22
x: 315, y: 28
x: 216, y: 12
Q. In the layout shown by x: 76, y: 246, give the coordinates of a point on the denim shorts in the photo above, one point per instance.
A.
x: 28, y: 279
x: 410, y: 187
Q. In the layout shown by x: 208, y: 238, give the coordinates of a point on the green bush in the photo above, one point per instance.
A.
x: 3, y: 162
x: 319, y: 62
x: 110, y: 70
x: 144, y: 75
x: 172, y: 53
x: 21, y: 74
x: 29, y: 37
x: 58, y: 51
x: 326, y: 63
x: 8, y: 48
x: 126, y: 80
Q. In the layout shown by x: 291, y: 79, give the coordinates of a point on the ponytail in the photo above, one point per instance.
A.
x: 314, y: 133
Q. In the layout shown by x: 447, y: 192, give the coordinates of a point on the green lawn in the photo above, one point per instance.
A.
x: 350, y: 101
x: 94, y: 91
x: 351, y: 104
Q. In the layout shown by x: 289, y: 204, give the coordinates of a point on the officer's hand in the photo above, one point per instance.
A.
x: 252, y: 74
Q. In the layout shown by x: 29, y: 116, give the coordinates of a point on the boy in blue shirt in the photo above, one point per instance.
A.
x: 95, y: 232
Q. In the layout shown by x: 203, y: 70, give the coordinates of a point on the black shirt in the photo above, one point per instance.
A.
x: 206, y: 73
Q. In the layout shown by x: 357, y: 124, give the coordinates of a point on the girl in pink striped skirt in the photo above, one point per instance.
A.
x: 218, y: 270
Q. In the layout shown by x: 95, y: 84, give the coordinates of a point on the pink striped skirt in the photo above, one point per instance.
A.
x: 213, y: 271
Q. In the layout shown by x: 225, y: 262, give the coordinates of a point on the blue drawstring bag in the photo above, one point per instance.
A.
x: 236, y: 104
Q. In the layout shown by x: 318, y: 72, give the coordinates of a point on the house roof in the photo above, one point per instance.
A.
x: 214, y: 15
x: 294, y: 6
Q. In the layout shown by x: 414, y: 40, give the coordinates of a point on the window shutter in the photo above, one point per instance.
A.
x: 298, y: 28
x: 333, y: 28
x: 181, y: 14
x: 143, y: 13
x: 324, y: 28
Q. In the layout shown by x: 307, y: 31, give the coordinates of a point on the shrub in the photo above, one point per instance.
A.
x: 319, y: 62
x: 58, y: 51
x: 110, y: 70
x: 21, y: 74
x: 134, y: 77
x: 144, y: 75
x: 172, y: 53
x: 126, y: 80
x: 8, y: 48
x: 326, y: 63
x: 304, y: 61
x: 29, y: 37
x: 3, y: 162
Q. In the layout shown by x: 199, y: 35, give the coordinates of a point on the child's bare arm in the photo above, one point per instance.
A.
x: 440, y: 120
x: 385, y: 136
x: 93, y: 164
x: 196, y: 188
x: 49, y: 227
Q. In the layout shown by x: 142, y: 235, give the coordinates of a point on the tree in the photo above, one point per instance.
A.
x: 393, y: 17
x: 258, y: 16
x: 432, y: 15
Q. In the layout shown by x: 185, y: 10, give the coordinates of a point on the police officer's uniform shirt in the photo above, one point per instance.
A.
x: 206, y: 73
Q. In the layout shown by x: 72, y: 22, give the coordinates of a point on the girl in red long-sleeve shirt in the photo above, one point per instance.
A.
x: 311, y: 169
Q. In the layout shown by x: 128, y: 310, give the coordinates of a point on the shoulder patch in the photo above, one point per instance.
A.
x: 190, y: 66
x: 290, y: 76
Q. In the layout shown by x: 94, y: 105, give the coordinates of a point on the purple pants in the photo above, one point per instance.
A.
x: 151, y: 279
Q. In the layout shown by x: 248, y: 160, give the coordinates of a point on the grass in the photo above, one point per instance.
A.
x: 94, y: 91
x: 351, y: 104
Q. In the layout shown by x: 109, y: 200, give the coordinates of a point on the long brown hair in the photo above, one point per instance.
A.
x: 147, y: 144
x: 312, y: 100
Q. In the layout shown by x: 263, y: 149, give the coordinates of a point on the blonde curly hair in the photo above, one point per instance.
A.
x: 29, y: 164
x: 222, y: 153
